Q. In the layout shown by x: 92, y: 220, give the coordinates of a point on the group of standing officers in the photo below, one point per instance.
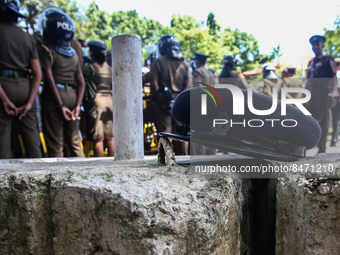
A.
x: 58, y: 61
x: 170, y: 72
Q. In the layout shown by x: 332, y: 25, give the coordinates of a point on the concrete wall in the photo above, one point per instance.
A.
x: 107, y: 207
x: 308, y: 209
x: 101, y: 206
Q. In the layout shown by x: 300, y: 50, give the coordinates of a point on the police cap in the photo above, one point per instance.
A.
x: 337, y: 61
x: 265, y: 141
x: 201, y: 57
x: 96, y: 46
x: 317, y: 38
x: 290, y: 70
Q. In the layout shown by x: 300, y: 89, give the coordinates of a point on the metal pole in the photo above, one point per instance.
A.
x: 127, y: 97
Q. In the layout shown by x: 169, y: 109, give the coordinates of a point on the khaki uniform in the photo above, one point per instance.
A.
x: 99, y: 115
x: 235, y: 78
x: 203, y: 75
x: 320, y: 76
x: 17, y: 49
x: 292, y: 82
x: 172, y: 73
x: 266, y: 86
x: 64, y: 70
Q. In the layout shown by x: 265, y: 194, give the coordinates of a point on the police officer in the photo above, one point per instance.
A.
x: 98, y: 111
x: 336, y: 108
x: 270, y: 81
x: 291, y: 81
x: 321, y: 81
x: 18, y: 55
x: 201, y: 74
x: 169, y: 75
x: 229, y: 75
x: 61, y: 98
x: 85, y: 52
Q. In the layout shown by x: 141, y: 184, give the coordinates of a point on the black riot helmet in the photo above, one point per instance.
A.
x: 168, y: 45
x: 150, y: 58
x: 229, y: 63
x: 57, y: 30
x: 10, y: 8
x: 232, y: 60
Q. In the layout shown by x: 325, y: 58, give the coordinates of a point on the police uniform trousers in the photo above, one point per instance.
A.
x: 317, y: 106
x: 164, y: 123
x: 56, y: 128
x: 17, y: 90
x: 99, y: 116
x: 335, y: 120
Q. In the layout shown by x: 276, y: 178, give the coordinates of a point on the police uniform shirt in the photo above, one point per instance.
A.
x: 321, y: 67
x: 235, y: 78
x: 77, y: 47
x: 292, y: 82
x: 20, y: 48
x: 103, y: 76
x: 170, y: 72
x: 203, y: 75
x: 98, y: 112
x: 64, y: 69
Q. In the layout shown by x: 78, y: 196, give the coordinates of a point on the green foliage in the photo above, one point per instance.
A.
x: 332, y: 44
x: 129, y: 23
x: 33, y: 8
x: 96, y: 25
x: 276, y: 53
x: 206, y: 38
x: 214, y: 28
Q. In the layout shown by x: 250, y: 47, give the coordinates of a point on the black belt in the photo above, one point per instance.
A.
x: 63, y: 85
x: 10, y: 73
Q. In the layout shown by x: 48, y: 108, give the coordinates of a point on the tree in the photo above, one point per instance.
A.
x: 33, y: 8
x: 332, y: 44
x: 214, y: 28
x: 242, y: 44
x: 96, y: 25
x: 276, y: 54
x: 129, y: 23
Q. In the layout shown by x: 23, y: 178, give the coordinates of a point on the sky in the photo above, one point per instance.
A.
x: 289, y: 23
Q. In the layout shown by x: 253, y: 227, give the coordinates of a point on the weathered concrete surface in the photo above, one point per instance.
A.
x: 101, y: 206
x: 308, y: 209
x: 81, y: 206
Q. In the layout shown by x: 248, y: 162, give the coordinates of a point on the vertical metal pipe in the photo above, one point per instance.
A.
x: 127, y: 97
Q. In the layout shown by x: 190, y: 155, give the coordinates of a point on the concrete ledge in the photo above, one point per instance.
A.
x: 82, y: 206
x: 100, y: 206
